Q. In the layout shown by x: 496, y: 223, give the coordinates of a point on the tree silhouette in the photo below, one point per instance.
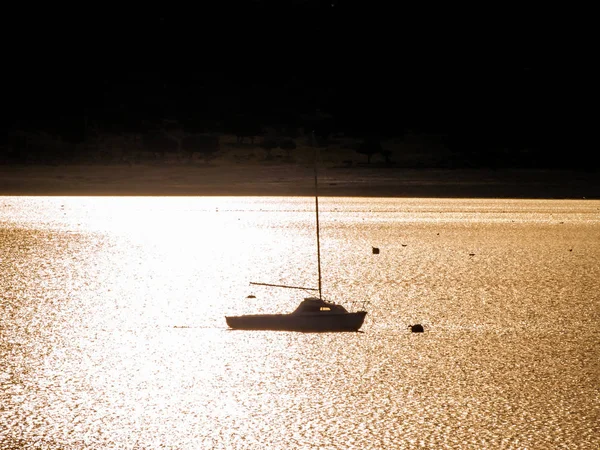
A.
x: 387, y: 154
x: 268, y: 145
x: 205, y: 145
x: 245, y: 127
x: 369, y: 147
x: 159, y: 144
x: 288, y: 145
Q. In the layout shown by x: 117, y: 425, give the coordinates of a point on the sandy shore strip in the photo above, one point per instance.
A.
x: 294, y: 180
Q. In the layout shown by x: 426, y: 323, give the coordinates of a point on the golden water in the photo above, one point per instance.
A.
x: 112, y: 331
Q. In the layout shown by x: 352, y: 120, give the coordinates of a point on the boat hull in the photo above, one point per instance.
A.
x: 298, y: 322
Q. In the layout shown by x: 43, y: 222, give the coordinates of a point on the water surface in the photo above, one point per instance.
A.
x: 113, y: 333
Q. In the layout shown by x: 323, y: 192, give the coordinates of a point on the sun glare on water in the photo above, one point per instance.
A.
x: 113, y: 331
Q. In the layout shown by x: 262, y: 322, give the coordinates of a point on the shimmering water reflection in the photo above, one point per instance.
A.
x: 113, y: 333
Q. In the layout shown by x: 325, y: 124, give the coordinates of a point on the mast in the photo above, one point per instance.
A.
x: 317, y: 215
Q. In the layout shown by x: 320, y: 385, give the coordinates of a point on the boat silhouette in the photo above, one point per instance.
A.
x: 313, y: 314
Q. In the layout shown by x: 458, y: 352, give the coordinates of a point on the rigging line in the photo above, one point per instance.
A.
x: 284, y: 286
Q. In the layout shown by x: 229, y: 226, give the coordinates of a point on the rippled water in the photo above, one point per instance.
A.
x: 113, y: 333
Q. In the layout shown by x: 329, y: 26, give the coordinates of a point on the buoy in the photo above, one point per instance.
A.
x: 375, y: 250
x: 416, y: 328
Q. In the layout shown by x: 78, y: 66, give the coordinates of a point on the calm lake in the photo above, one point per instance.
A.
x: 113, y: 335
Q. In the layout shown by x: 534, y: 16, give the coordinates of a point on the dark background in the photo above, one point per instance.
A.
x: 483, y: 79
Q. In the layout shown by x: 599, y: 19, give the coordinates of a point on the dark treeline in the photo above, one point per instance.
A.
x: 494, y: 116
x: 495, y: 95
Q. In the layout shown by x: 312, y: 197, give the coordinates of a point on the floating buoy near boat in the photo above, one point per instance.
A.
x: 375, y: 250
x: 416, y: 328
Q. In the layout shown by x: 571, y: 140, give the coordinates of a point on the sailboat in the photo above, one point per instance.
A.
x: 313, y: 314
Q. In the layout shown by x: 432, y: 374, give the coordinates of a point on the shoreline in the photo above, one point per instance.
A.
x: 294, y: 180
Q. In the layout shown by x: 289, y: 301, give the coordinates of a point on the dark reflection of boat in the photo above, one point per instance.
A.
x: 313, y: 313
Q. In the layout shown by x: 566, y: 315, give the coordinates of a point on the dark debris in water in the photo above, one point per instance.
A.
x: 416, y: 328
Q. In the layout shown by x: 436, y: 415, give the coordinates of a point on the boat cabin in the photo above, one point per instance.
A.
x: 314, y: 305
